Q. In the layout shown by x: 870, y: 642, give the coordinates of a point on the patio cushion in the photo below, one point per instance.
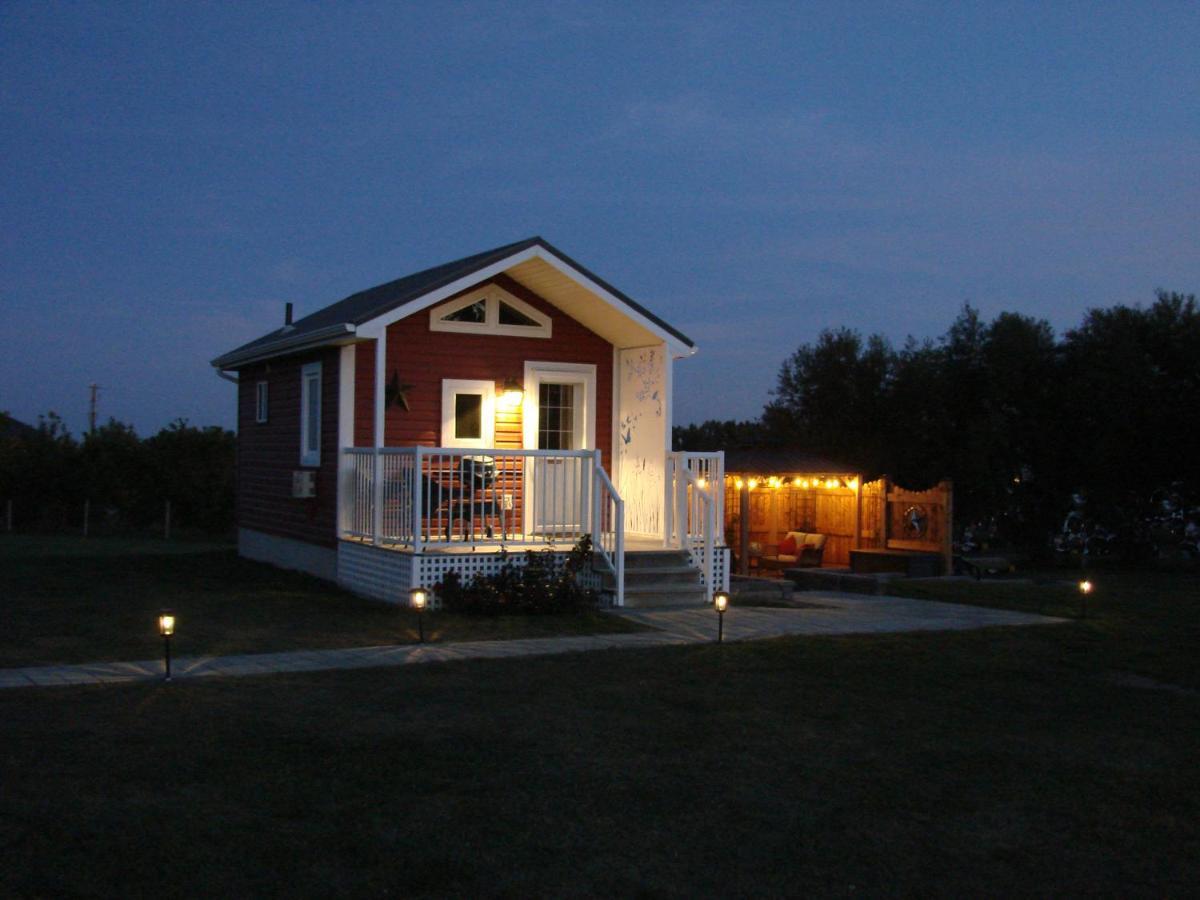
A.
x: 787, y: 547
x: 815, y: 541
x: 787, y: 558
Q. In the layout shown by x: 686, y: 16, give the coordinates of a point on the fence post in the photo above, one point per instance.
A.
x: 743, y: 529
x: 885, y: 508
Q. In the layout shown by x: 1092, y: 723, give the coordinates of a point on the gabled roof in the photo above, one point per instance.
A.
x: 339, y: 322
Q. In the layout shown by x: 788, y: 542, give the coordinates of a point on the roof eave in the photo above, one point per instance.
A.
x: 291, y: 344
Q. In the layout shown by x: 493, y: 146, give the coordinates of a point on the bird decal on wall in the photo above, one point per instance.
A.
x: 396, y: 392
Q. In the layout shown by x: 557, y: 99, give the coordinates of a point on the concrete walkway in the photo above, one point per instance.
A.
x: 839, y: 614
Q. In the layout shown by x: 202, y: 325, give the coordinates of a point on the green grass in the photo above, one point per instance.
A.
x: 1008, y: 761
x: 77, y: 600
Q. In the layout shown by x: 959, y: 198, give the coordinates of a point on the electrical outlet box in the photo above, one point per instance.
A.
x: 304, y: 483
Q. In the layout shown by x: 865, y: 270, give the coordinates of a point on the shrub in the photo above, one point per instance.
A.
x: 541, y: 586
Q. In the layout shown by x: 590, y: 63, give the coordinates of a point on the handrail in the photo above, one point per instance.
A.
x: 608, y: 528
x: 700, y: 544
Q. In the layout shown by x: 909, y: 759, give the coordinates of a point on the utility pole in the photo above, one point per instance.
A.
x: 95, y: 389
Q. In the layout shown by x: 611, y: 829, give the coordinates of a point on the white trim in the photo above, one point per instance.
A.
x: 451, y: 387
x: 492, y: 295
x: 614, y: 456
x: 568, y: 373
x: 371, y: 329
x: 261, y: 402
x: 345, y: 489
x: 309, y: 457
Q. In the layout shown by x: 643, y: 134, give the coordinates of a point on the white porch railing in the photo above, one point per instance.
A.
x: 422, y: 498
x: 695, y: 510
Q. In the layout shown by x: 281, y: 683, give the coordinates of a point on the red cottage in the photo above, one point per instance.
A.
x: 507, y: 401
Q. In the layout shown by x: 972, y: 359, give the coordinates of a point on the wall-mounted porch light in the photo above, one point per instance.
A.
x: 511, y: 394
x: 419, y: 599
x: 166, y: 627
x: 1085, y: 588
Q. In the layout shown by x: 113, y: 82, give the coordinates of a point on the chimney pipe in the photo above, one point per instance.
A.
x: 287, y: 314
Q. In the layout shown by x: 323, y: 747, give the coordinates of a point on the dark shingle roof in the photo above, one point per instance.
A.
x: 366, y: 305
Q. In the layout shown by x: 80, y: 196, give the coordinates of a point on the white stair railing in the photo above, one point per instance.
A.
x: 695, y: 509
x: 608, y: 528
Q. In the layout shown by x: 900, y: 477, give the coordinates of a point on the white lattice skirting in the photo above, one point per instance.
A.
x: 390, y: 574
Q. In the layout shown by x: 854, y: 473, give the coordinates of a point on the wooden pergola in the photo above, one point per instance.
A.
x: 771, y: 491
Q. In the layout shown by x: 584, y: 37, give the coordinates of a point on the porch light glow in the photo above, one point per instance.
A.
x: 752, y: 483
x: 721, y: 602
x: 852, y: 484
x: 1085, y: 589
x: 738, y: 483
x: 702, y: 483
x: 511, y: 394
x: 831, y: 483
x: 419, y: 598
x: 166, y: 627
x: 774, y: 482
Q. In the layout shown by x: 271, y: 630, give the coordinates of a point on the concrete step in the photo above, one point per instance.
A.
x: 661, y: 575
x: 692, y: 595
x: 652, y: 559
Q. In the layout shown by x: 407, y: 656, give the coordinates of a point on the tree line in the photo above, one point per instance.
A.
x: 125, y: 481
x: 1029, y: 425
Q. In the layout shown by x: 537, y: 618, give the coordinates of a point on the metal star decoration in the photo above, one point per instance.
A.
x: 396, y: 392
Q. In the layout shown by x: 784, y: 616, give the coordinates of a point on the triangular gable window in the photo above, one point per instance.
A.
x: 476, y: 312
x: 490, y: 310
x: 510, y: 315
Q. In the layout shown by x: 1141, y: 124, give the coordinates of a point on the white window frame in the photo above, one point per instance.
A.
x: 451, y: 388
x: 261, y: 397
x: 310, y: 375
x: 583, y: 376
x: 492, y: 295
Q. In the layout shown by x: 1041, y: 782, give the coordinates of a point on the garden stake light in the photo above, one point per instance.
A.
x: 721, y: 602
x: 1085, y: 588
x: 166, y: 627
x: 418, y: 598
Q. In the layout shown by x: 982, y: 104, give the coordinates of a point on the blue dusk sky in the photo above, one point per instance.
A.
x: 753, y: 173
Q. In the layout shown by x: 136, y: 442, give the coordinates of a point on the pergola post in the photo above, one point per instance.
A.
x: 743, y: 530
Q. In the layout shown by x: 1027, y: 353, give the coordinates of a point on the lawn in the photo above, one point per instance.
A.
x: 78, y: 600
x: 997, y: 762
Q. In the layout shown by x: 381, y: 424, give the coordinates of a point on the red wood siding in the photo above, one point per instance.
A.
x: 423, y: 358
x: 269, y: 452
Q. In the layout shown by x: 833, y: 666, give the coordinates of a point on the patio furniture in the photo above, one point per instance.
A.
x: 463, y: 497
x: 798, y: 550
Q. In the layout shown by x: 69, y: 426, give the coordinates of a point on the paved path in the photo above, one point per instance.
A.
x: 840, y: 614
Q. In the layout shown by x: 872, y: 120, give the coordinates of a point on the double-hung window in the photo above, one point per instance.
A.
x: 310, y: 415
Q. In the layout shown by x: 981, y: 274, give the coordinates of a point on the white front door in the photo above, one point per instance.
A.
x: 560, y: 415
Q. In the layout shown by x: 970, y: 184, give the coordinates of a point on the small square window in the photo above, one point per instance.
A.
x: 260, y: 402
